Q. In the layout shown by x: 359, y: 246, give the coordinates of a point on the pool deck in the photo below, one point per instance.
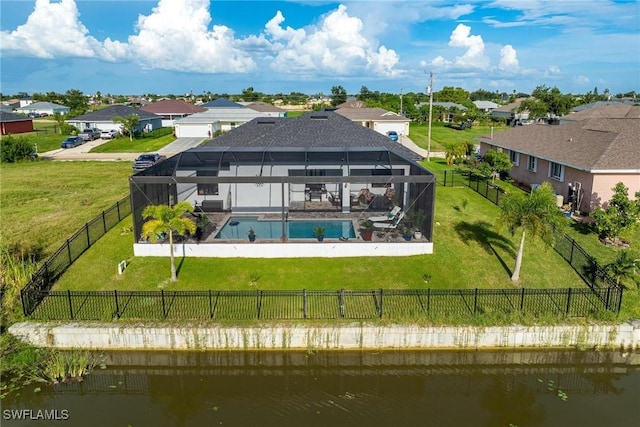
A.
x: 383, y: 242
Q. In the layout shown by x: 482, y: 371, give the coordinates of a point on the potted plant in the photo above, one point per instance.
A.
x: 366, y: 230
x: 319, y: 233
x: 252, y: 235
x: 407, y: 231
x: 416, y: 219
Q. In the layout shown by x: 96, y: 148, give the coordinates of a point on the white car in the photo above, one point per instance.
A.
x: 108, y: 134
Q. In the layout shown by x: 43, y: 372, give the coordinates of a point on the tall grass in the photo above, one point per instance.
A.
x: 17, y: 266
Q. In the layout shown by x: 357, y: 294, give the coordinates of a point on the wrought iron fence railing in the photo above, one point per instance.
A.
x: 42, y: 281
x: 326, y: 304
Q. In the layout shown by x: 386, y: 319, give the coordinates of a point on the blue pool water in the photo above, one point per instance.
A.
x: 295, y: 229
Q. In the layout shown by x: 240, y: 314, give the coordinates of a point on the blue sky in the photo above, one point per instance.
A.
x: 178, y: 46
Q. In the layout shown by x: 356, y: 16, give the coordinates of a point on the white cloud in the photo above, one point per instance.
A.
x: 508, y: 59
x: 52, y: 30
x: 176, y: 36
x: 474, y: 56
x: 335, y: 46
x: 553, y: 69
x: 581, y: 80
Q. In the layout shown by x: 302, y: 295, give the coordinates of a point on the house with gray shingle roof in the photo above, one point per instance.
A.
x: 320, y: 166
x: 592, y: 151
x: 378, y: 119
x: 103, y: 119
x: 217, y: 119
x: 43, y: 108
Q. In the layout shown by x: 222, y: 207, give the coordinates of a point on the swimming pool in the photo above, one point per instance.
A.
x: 295, y: 228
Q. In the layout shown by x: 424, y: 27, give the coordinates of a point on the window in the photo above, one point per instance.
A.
x: 515, y: 157
x: 532, y: 164
x: 556, y: 171
x: 209, y: 189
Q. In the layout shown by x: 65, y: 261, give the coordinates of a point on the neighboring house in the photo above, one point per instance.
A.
x: 378, y: 119
x: 222, y: 103
x: 25, y: 102
x: 172, y: 109
x: 510, y: 113
x: 207, y: 123
x: 486, y: 106
x: 268, y: 109
x: 589, y: 151
x: 103, y: 119
x: 43, y: 108
x: 284, y: 166
x: 15, y: 123
x: 601, y: 104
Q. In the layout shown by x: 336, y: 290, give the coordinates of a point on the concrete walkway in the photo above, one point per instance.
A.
x: 180, y: 145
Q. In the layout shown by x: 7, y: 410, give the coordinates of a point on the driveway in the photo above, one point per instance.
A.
x: 180, y: 145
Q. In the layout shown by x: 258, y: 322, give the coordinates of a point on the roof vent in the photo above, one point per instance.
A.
x: 319, y: 117
x: 266, y: 122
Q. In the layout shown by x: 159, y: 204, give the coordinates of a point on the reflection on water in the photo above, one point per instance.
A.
x: 550, y: 388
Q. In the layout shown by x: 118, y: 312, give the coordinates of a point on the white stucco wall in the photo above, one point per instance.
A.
x: 111, y: 336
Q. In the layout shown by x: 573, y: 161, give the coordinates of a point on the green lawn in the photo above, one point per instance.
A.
x: 144, y: 144
x: 45, y: 137
x: 442, y: 136
x: 469, y: 253
x: 45, y: 202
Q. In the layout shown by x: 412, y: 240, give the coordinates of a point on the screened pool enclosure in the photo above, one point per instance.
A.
x: 286, y: 182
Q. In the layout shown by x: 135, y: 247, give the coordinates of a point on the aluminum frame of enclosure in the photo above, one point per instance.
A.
x: 175, y: 179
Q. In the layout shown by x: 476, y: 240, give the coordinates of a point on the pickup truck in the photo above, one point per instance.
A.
x: 90, y: 134
x: 147, y: 160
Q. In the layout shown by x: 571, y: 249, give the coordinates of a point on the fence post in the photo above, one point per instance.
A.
x: 115, y: 295
x: 70, y: 304
x: 568, y: 301
x: 380, y: 309
x: 522, y: 301
x: 210, y: 306
x: 304, y: 303
x: 607, y: 299
x: 164, y: 310
x: 69, y: 252
x: 118, y: 210
x: 22, y: 300
x: 475, y: 302
x: 573, y: 245
x: 104, y: 223
x: 428, y: 301
x: 341, y: 301
x: 86, y: 226
x: 258, y: 302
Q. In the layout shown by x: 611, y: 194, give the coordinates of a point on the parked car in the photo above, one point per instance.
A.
x: 147, y: 160
x: 90, y: 134
x: 108, y: 134
x: 393, y: 135
x: 72, y: 141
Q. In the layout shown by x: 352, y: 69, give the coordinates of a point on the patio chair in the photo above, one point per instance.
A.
x: 388, y: 217
x: 390, y: 225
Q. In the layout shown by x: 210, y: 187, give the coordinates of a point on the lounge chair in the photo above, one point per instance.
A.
x: 390, y: 225
x: 390, y: 216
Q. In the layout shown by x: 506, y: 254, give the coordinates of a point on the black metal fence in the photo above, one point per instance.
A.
x: 41, y: 282
x: 417, y: 304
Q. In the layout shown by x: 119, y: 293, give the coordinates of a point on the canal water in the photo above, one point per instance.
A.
x: 388, y: 388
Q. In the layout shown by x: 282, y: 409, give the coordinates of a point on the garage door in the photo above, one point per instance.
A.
x: 192, y: 131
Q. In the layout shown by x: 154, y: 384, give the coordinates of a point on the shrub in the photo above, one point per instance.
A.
x: 13, y: 150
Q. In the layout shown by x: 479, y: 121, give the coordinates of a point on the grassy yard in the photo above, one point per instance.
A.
x: 442, y: 136
x: 144, y: 144
x: 46, y: 136
x: 469, y: 253
x: 45, y: 202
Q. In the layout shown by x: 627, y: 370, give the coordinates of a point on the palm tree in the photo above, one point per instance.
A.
x: 129, y: 123
x: 624, y: 267
x: 161, y: 219
x: 536, y: 214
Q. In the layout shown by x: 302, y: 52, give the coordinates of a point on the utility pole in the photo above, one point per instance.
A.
x: 430, y: 88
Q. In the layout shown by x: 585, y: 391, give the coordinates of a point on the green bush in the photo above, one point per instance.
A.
x: 15, y: 149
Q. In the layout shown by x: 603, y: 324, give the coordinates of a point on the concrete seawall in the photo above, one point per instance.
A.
x: 109, y: 336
